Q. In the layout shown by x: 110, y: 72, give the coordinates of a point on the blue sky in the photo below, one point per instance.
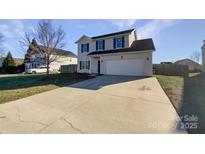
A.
x: 174, y: 39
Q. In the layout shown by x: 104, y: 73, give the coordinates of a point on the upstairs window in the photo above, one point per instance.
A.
x: 118, y: 42
x: 85, y: 47
x: 100, y: 45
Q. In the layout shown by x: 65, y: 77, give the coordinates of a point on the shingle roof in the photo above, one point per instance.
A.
x: 138, y: 45
x: 111, y: 34
x: 186, y: 60
x: 65, y: 53
x: 62, y: 52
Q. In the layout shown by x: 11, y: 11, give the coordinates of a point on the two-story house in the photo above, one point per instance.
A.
x: 62, y: 57
x: 119, y: 53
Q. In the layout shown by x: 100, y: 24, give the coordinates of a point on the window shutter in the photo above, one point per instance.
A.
x: 89, y: 64
x: 82, y: 48
x: 114, y: 43
x: 96, y: 45
x: 88, y: 47
x: 103, y: 44
x: 80, y: 65
x: 123, y: 41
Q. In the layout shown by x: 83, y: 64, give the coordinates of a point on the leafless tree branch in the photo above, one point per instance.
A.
x: 25, y: 41
x: 49, y: 39
x: 196, y: 55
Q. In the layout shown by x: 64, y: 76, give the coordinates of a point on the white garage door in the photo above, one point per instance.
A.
x: 125, y: 67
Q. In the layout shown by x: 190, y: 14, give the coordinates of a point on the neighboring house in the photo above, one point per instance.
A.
x: 203, y: 56
x: 18, y: 61
x: 193, y: 66
x: 63, y: 57
x: 166, y: 62
x: 119, y: 53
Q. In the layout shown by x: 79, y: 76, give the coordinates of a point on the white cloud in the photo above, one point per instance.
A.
x: 154, y: 27
x: 8, y: 47
x: 12, y: 29
x: 151, y: 29
x: 18, y: 27
x: 18, y: 24
x: 31, y: 29
x: 5, y: 30
x: 81, y: 26
x: 123, y: 23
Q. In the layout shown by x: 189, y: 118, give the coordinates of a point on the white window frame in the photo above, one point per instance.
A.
x: 116, y: 42
x: 85, y: 46
x: 85, y: 65
x: 100, y: 41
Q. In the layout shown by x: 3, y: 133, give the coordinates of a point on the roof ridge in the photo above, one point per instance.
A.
x: 59, y: 50
x: 113, y: 33
x: 143, y: 45
x: 55, y: 48
x: 186, y: 59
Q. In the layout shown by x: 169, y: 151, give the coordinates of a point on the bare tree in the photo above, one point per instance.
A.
x: 196, y: 55
x: 1, y: 42
x: 28, y: 46
x: 50, y: 38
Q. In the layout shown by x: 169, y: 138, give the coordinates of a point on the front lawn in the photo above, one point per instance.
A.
x: 20, y: 86
x: 187, y: 95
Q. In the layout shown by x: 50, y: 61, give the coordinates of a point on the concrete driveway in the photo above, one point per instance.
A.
x: 105, y: 104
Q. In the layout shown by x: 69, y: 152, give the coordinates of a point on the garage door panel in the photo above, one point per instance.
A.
x: 125, y: 67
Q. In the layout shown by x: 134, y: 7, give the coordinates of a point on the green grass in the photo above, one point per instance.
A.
x: 187, y: 95
x: 20, y: 86
x: 173, y: 87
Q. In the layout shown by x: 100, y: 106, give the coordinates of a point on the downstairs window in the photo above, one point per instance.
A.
x: 85, y: 65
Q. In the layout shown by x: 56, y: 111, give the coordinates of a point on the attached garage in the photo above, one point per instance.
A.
x: 133, y: 67
x: 135, y: 60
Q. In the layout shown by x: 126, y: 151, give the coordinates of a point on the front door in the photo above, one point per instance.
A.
x: 98, y: 66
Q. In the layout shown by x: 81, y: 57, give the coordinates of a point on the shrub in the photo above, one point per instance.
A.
x: 8, y: 61
x: 1, y: 70
x: 20, y: 68
x: 12, y: 69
